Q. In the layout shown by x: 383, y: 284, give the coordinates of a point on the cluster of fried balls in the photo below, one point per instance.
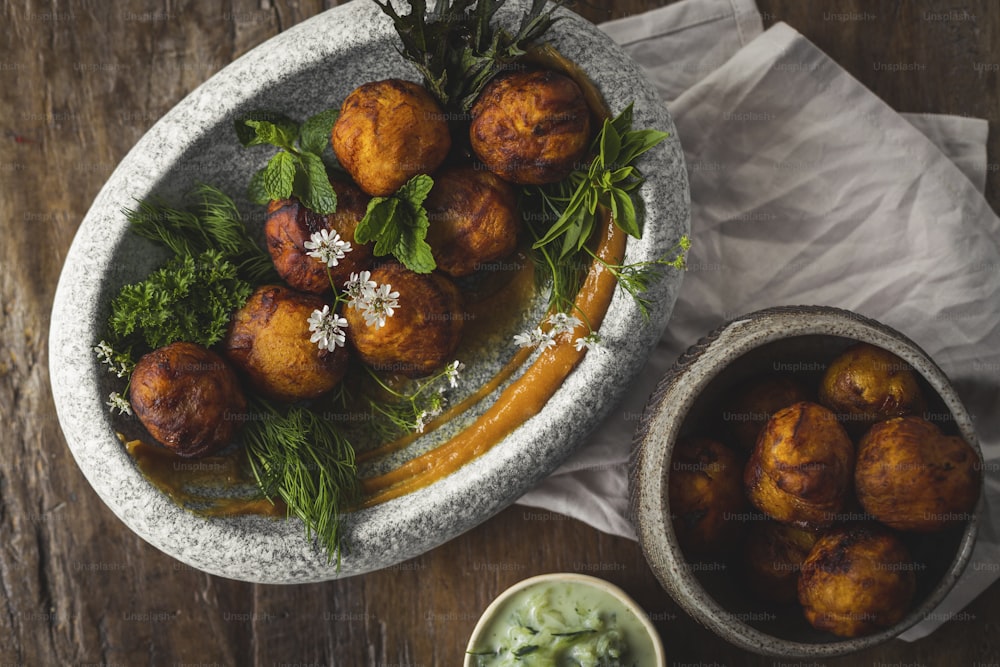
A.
x: 839, y: 477
x: 527, y: 127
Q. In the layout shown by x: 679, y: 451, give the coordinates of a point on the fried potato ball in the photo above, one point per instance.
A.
x: 290, y: 225
x: 867, y: 384
x: 910, y: 476
x: 802, y: 467
x: 531, y: 127
x: 389, y: 131
x: 474, y: 219
x: 705, y: 490
x: 755, y: 402
x: 423, y: 331
x: 773, y: 557
x: 857, y: 580
x: 188, y: 398
x: 269, y: 342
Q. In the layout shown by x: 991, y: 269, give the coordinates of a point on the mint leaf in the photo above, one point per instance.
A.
x: 279, y: 131
x: 279, y: 175
x: 398, y: 224
x: 416, y: 190
x: 256, y: 190
x: 314, y: 135
x: 378, y: 214
x: 412, y: 248
x: 314, y: 190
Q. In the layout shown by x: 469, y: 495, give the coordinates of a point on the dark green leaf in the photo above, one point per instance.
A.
x: 525, y: 650
x: 315, y: 133
x: 256, y: 190
x: 638, y: 142
x: 416, y: 189
x: 610, y: 145
x: 279, y: 175
x: 314, y: 190
x: 625, y: 217
x: 377, y: 216
x: 265, y: 127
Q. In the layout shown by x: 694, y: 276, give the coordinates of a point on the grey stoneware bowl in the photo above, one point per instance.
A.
x: 308, y: 68
x: 798, y: 339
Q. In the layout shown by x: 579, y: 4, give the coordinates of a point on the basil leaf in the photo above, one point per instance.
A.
x: 624, y: 213
x: 315, y: 133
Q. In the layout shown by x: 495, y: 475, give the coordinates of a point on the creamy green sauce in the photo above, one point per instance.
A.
x: 564, y: 624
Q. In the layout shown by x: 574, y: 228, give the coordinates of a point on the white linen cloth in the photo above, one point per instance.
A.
x: 807, y: 189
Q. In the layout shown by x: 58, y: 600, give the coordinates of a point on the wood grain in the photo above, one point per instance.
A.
x: 80, y: 82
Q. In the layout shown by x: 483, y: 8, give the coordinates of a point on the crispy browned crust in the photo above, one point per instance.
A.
x: 801, y: 469
x: 473, y: 219
x: 188, y: 398
x: 269, y: 342
x: 773, y: 557
x: 857, y: 580
x: 755, y: 402
x: 290, y: 224
x: 910, y: 476
x: 423, y: 333
x: 531, y: 127
x: 389, y: 131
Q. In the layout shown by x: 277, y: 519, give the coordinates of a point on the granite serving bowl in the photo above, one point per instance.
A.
x: 306, y: 69
x: 493, y: 624
x: 802, y: 340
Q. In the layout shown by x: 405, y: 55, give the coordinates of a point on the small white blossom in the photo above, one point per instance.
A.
x: 118, y: 402
x: 104, y: 353
x: 590, y: 341
x: 422, y: 420
x: 357, y: 286
x: 326, y: 247
x: 563, y: 323
x: 537, y: 337
x: 379, y: 304
x: 328, y: 329
x: 451, y: 372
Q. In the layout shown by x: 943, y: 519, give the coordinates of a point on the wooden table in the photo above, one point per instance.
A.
x: 80, y: 82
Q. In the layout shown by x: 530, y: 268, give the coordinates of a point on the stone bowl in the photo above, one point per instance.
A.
x: 306, y: 69
x: 686, y: 401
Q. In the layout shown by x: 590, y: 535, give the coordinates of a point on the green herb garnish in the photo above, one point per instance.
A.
x: 300, y: 457
x: 398, y: 225
x: 297, y: 169
x: 457, y: 50
x: 610, y: 182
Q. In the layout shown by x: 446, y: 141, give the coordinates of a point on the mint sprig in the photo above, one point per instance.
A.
x: 297, y: 169
x: 610, y: 182
x: 398, y: 225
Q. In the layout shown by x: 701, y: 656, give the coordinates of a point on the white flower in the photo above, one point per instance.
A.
x: 538, y: 337
x: 328, y: 329
x: 422, y: 420
x: 118, y: 402
x: 357, y: 287
x: 563, y: 323
x: 326, y: 247
x: 451, y: 372
x: 378, y: 304
x: 104, y: 352
x: 590, y: 341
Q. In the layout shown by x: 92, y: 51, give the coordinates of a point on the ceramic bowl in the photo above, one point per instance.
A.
x: 306, y: 69
x: 499, y: 605
x: 687, y: 400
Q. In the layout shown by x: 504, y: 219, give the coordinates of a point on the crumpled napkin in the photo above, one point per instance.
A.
x: 808, y: 189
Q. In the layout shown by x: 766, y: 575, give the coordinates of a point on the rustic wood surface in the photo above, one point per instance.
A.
x: 80, y: 82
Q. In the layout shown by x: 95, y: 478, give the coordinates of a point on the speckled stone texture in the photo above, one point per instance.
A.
x: 310, y: 67
x: 747, y: 347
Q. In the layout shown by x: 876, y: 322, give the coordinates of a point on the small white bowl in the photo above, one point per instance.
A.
x: 571, y: 578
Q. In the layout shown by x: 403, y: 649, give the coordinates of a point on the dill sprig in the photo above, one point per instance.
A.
x: 213, y: 224
x: 302, y: 458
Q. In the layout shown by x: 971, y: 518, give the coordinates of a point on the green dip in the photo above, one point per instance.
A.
x: 564, y: 624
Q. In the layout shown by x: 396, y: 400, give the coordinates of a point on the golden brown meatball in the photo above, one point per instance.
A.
x: 867, y: 384
x: 290, y: 224
x: 423, y: 331
x: 755, y: 402
x: 910, y: 476
x: 773, y: 555
x: 389, y: 131
x: 857, y: 580
x: 531, y: 127
x: 802, y: 467
x: 473, y: 219
x: 705, y: 490
x: 188, y: 398
x: 269, y: 341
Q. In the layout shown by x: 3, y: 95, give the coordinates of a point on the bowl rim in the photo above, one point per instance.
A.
x: 661, y: 423
x: 570, y: 577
